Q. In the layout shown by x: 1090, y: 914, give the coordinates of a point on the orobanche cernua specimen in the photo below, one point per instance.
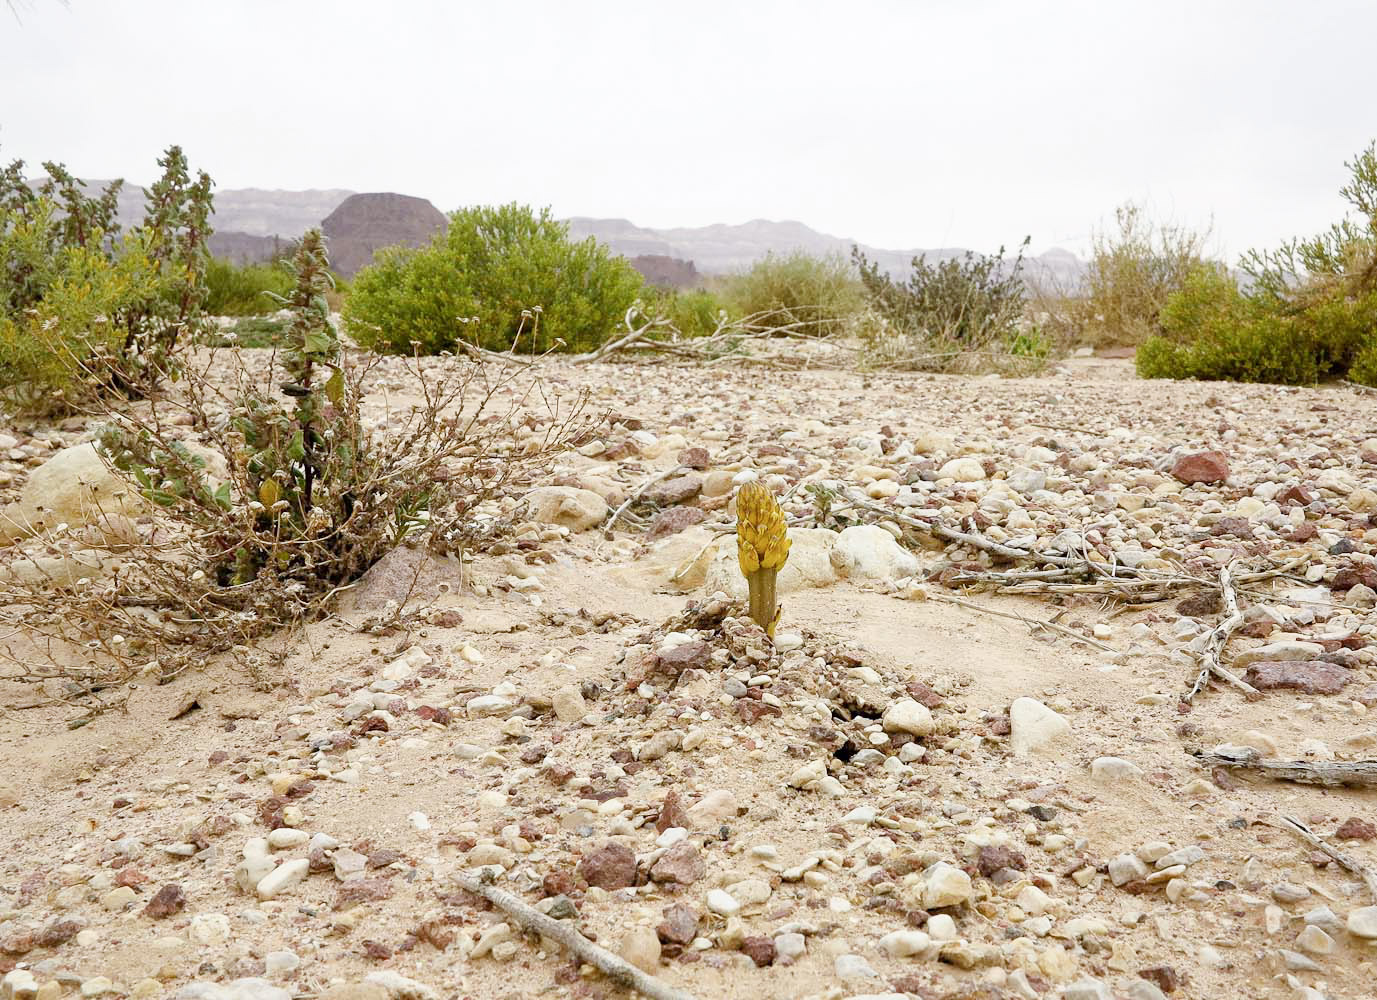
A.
x: 762, y: 548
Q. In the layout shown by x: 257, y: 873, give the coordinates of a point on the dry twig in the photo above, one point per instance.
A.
x: 615, y: 968
x: 1215, y: 641
x: 1331, y: 774
x: 1355, y: 866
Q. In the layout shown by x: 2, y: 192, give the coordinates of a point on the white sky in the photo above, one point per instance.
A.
x: 902, y: 124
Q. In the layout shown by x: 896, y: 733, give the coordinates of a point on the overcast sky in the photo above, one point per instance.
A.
x: 902, y: 124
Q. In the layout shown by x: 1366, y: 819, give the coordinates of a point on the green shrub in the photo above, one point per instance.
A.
x: 695, y: 312
x: 504, y: 278
x: 960, y: 314
x: 250, y: 331
x: 245, y: 290
x: 820, y: 296
x: 1309, y: 312
x: 83, y: 313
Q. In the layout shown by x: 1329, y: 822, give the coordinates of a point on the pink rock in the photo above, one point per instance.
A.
x: 1201, y: 467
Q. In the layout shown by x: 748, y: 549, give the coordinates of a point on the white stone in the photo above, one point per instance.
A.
x: 720, y: 901
x: 286, y: 874
x: 945, y: 885
x: 1315, y: 941
x: 1114, y: 769
x: 942, y: 927
x: 905, y: 944
x: 963, y: 470
x: 908, y: 716
x: 867, y: 552
x: 279, y: 963
x: 1362, y: 922
x: 569, y: 704
x: 853, y: 967
x: 18, y: 984
x: 566, y: 506
x: 1034, y: 726
x: 790, y: 945
x: 399, y: 987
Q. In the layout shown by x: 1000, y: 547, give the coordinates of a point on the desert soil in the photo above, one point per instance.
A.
x: 851, y: 812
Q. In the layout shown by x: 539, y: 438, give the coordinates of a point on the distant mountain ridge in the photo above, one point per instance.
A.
x: 248, y: 218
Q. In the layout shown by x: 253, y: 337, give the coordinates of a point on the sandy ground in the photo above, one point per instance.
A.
x: 171, y: 791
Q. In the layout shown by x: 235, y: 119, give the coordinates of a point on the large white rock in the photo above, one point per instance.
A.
x: 809, y: 565
x: 908, y: 716
x: 945, y: 885
x: 868, y: 552
x: 963, y: 470
x: 566, y: 506
x: 73, y: 487
x: 1034, y: 726
x: 286, y: 874
x: 1362, y: 922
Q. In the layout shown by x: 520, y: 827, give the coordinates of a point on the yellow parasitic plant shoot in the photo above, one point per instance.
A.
x: 762, y: 548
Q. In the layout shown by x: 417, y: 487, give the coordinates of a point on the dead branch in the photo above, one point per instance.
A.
x: 1032, y: 623
x: 1215, y: 641
x: 1355, y: 866
x: 640, y: 492
x: 617, y: 969
x: 1331, y: 774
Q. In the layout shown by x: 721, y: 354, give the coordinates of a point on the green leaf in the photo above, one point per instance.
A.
x: 222, y: 496
x: 334, y: 389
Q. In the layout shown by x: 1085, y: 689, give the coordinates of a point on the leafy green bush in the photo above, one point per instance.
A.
x: 964, y: 313
x: 83, y: 313
x: 250, y: 331
x: 695, y: 312
x: 1131, y: 273
x: 1310, y: 311
x: 505, y: 278
x: 820, y: 296
x: 245, y: 290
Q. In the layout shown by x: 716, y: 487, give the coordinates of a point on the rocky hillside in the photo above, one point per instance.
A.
x: 365, y: 223
x: 715, y: 249
x: 720, y: 249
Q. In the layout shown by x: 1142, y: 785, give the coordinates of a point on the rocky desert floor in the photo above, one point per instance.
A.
x: 901, y: 796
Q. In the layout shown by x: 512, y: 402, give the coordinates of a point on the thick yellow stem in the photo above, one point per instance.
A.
x: 764, y: 610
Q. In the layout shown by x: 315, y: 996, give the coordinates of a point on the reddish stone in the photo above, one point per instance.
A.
x: 130, y: 877
x: 1303, y: 532
x: 752, y: 711
x: 1354, y: 828
x: 672, y: 491
x: 680, y: 924
x: 58, y: 932
x: 695, y: 458
x: 1296, y: 494
x: 1164, y: 977
x: 682, y: 864
x: 558, y: 883
x: 672, y: 813
x: 167, y: 901
x: 1201, y: 467
x: 362, y: 890
x: 993, y: 859
x: 924, y: 695
x: 673, y: 520
x: 611, y: 866
x: 431, y: 714
x: 759, y: 949
x: 1310, y: 676
x: 693, y: 655
x: 376, y: 950
x: 270, y: 812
